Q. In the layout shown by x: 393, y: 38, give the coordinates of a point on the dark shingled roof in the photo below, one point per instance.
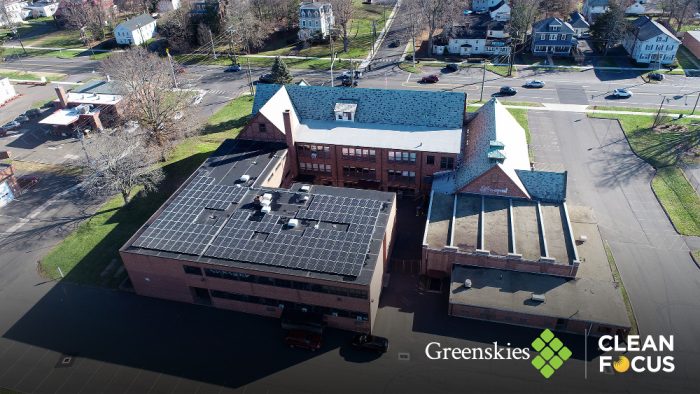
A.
x: 578, y: 21
x: 543, y: 26
x: 543, y: 185
x: 647, y: 28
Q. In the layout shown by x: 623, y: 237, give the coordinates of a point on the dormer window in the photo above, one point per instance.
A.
x: 345, y: 111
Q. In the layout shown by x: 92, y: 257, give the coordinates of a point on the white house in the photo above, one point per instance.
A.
x: 500, y: 12
x: 167, y: 5
x: 317, y: 17
x: 41, y: 9
x: 13, y: 12
x: 592, y: 8
x: 135, y: 31
x: 476, y: 36
x: 7, y: 91
x: 647, y: 41
x: 483, y: 5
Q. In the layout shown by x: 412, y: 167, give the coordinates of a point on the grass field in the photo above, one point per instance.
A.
x: 28, y: 75
x: 85, y: 255
x: 679, y: 199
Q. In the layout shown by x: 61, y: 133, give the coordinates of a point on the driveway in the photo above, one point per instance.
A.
x: 658, y: 273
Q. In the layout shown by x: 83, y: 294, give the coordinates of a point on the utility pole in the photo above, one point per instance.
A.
x: 413, y: 39
x: 16, y: 33
x: 483, y: 80
x: 696, y: 103
x: 333, y: 58
x: 658, y: 114
x: 213, y: 49
x: 172, y: 68
x: 250, y: 79
x: 374, y: 35
x: 231, y: 47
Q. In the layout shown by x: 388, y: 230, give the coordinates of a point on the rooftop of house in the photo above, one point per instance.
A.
x: 136, y: 22
x: 583, y: 299
x: 98, y: 87
x: 577, y: 20
x: 497, y: 6
x: 406, y: 108
x: 545, y: 25
x: 474, y: 26
x: 694, y: 33
x: 216, y: 218
x: 596, y: 3
x: 645, y: 28
x: 314, y: 5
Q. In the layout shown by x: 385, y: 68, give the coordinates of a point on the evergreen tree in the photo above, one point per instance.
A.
x: 280, y: 72
x: 609, y: 27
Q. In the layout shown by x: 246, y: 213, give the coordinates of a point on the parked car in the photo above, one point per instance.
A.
x: 507, y: 91
x: 22, y: 118
x: 656, y: 76
x: 394, y: 43
x: 266, y: 78
x: 9, y: 126
x: 370, y: 342
x: 622, y: 93
x: 430, y: 79
x: 32, y: 112
x: 347, y: 81
x: 452, y: 67
x: 534, y: 84
x: 303, y: 339
x: 232, y: 69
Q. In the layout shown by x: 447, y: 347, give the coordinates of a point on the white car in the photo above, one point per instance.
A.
x: 622, y: 93
x: 534, y: 84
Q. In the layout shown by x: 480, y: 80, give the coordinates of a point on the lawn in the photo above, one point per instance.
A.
x: 89, y: 255
x: 408, y: 67
x: 679, y: 199
x: 645, y: 110
x: 28, y: 75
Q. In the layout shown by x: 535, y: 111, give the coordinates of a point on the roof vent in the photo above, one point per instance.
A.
x: 537, y: 297
x: 305, y: 197
x: 468, y: 283
x: 244, y: 178
x: 293, y: 223
x: 265, y: 209
x: 305, y: 188
x: 582, y: 238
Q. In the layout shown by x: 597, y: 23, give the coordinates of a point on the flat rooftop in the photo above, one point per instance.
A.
x: 584, y: 299
x: 500, y: 225
x: 216, y: 218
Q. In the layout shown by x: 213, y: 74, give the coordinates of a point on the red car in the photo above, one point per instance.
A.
x: 303, y: 339
x: 429, y: 79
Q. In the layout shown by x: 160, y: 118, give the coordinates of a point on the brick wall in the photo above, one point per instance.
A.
x: 252, y: 130
x: 692, y: 44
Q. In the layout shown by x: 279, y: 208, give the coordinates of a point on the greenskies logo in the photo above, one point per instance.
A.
x: 552, y: 353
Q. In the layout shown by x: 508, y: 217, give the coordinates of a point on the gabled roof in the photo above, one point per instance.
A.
x: 474, y: 26
x: 275, y: 106
x: 543, y: 185
x: 374, y: 106
x: 497, y: 6
x: 647, y: 28
x: 596, y: 3
x: 136, y: 22
x: 578, y: 21
x: 314, y: 5
x: 543, y: 26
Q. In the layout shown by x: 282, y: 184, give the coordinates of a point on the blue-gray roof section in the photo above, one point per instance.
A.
x: 374, y: 106
x: 544, y: 185
x: 136, y: 22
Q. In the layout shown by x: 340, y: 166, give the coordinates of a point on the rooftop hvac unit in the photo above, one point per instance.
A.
x: 468, y: 283
x: 305, y: 197
x: 305, y: 188
x: 82, y: 109
x: 265, y: 209
x: 265, y: 203
x: 293, y: 223
x: 583, y: 238
x: 538, y: 297
x: 245, y: 178
x: 267, y: 196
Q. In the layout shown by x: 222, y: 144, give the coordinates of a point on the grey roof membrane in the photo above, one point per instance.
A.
x: 137, y: 21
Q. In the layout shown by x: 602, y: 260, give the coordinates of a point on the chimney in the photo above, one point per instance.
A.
x: 93, y: 119
x: 62, y: 97
x: 291, y: 149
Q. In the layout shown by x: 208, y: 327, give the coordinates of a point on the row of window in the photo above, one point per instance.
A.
x: 650, y: 47
x: 407, y: 157
x: 314, y: 148
x: 359, y: 316
x: 553, y: 37
x: 367, y: 173
x: 316, y: 167
x: 446, y: 163
x: 402, y: 176
x: 303, y: 24
x: 264, y: 280
x: 360, y: 153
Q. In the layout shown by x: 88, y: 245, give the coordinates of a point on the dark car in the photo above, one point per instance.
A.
x: 33, y: 112
x: 507, y: 91
x: 656, y: 76
x: 303, y: 339
x: 394, y: 43
x: 452, y: 67
x: 347, y: 81
x: 370, y: 342
x: 429, y: 79
x: 232, y: 69
x: 266, y: 78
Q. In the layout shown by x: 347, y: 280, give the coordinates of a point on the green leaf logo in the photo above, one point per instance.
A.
x: 552, y: 353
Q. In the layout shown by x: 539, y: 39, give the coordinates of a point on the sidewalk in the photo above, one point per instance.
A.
x: 585, y: 109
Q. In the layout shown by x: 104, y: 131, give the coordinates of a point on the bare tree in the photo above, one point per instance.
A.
x: 86, y: 16
x: 437, y: 14
x: 178, y: 29
x: 118, y: 162
x: 244, y: 27
x: 522, y: 15
x: 679, y: 10
x: 147, y: 84
x: 343, y: 11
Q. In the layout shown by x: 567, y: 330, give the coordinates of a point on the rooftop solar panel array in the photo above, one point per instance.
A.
x: 176, y: 229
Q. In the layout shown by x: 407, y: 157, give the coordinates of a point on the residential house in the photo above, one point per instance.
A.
x: 9, y: 188
x: 90, y: 106
x: 135, y: 31
x: 477, y: 35
x: 500, y: 12
x: 42, y: 9
x: 167, y: 5
x: 484, y: 6
x: 552, y: 36
x: 317, y: 17
x: 579, y: 24
x: 203, y: 7
x: 592, y: 8
x: 691, y: 40
x: 7, y: 91
x: 647, y: 41
x: 13, y: 12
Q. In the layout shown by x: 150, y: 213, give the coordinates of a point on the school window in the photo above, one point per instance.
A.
x: 315, y: 167
x: 359, y: 153
x: 402, y: 176
x: 192, y: 270
x: 430, y: 160
x: 262, y: 127
x: 406, y: 157
x: 447, y: 163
